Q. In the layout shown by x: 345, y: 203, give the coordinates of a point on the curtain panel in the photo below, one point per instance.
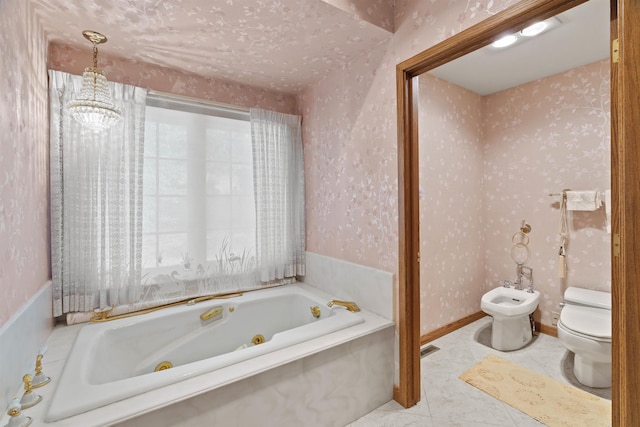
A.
x: 279, y: 195
x: 96, y: 201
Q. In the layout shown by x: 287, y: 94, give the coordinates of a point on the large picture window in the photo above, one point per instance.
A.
x: 181, y: 198
x: 198, y: 198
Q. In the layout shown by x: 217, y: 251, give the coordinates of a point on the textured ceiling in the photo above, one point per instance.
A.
x: 283, y: 45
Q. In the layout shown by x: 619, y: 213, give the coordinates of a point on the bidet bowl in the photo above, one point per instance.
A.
x: 509, y: 302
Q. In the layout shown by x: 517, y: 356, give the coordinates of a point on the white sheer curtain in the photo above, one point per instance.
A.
x: 96, y: 201
x: 279, y: 195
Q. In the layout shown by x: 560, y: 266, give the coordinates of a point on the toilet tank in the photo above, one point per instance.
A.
x: 588, y: 297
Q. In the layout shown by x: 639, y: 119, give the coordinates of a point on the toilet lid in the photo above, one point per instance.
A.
x: 588, y: 321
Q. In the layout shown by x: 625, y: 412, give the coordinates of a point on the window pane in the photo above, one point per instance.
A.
x: 242, y: 179
x: 149, y: 254
x: 244, y: 242
x: 149, y: 176
x: 241, y: 147
x: 173, y: 249
x: 218, y: 178
x: 173, y: 177
x: 218, y: 245
x: 218, y: 145
x: 172, y: 214
x: 150, y: 139
x: 172, y: 140
x: 243, y: 212
x: 219, y: 213
x: 149, y: 214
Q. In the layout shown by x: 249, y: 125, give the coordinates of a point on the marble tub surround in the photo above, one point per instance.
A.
x: 370, y: 288
x: 297, y: 376
x: 331, y: 388
x: 22, y: 338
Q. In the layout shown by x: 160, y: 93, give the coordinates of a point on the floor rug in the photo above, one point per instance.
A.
x: 542, y: 398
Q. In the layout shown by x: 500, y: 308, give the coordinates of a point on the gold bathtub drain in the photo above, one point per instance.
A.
x: 258, y: 339
x: 163, y: 365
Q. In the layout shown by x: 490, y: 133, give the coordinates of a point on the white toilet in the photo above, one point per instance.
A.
x: 510, y: 308
x: 584, y: 328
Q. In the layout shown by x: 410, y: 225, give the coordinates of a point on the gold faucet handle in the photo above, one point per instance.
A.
x: 26, y: 379
x: 17, y: 418
x: 29, y: 399
x: 39, y: 379
x: 39, y: 364
x: 14, y: 408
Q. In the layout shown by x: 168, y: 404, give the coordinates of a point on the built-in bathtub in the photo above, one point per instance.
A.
x: 115, y: 360
x: 109, y: 376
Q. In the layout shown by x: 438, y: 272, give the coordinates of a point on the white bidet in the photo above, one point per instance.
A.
x: 510, y: 308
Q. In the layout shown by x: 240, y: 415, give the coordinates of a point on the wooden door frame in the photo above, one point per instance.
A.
x: 625, y: 185
x: 625, y: 191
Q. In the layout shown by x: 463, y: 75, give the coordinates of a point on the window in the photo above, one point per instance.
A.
x: 198, y: 196
x: 172, y: 203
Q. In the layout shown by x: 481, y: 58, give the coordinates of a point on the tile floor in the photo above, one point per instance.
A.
x: 449, y: 401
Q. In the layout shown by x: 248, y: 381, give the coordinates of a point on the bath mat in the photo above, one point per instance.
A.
x: 542, y: 398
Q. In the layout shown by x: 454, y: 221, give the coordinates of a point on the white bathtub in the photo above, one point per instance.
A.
x: 115, y: 360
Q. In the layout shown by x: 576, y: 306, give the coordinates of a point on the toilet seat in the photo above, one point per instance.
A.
x: 587, y: 322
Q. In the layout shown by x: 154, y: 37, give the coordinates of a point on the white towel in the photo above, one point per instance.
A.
x: 607, y: 209
x: 583, y: 200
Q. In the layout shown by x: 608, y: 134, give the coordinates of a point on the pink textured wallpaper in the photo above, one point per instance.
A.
x: 377, y: 12
x: 541, y: 138
x: 24, y: 157
x: 350, y: 137
x: 123, y: 70
x: 451, y: 197
x: 350, y: 169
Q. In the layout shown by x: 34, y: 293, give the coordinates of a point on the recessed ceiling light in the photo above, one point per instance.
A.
x: 505, y: 41
x: 535, y: 29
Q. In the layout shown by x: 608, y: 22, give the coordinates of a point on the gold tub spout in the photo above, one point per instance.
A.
x: 211, y: 313
x: 351, y: 306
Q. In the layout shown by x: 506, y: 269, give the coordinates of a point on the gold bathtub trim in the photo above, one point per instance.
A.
x: 104, y: 316
x: 315, y: 311
x: 211, y: 313
x: 163, y: 366
x: 258, y: 339
x: 349, y: 305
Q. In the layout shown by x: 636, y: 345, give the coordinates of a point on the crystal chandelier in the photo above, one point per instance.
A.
x: 93, y: 107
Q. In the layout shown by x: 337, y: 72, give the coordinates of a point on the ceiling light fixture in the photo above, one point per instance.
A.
x: 93, y: 108
x: 535, y: 29
x: 532, y: 30
x: 505, y: 41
